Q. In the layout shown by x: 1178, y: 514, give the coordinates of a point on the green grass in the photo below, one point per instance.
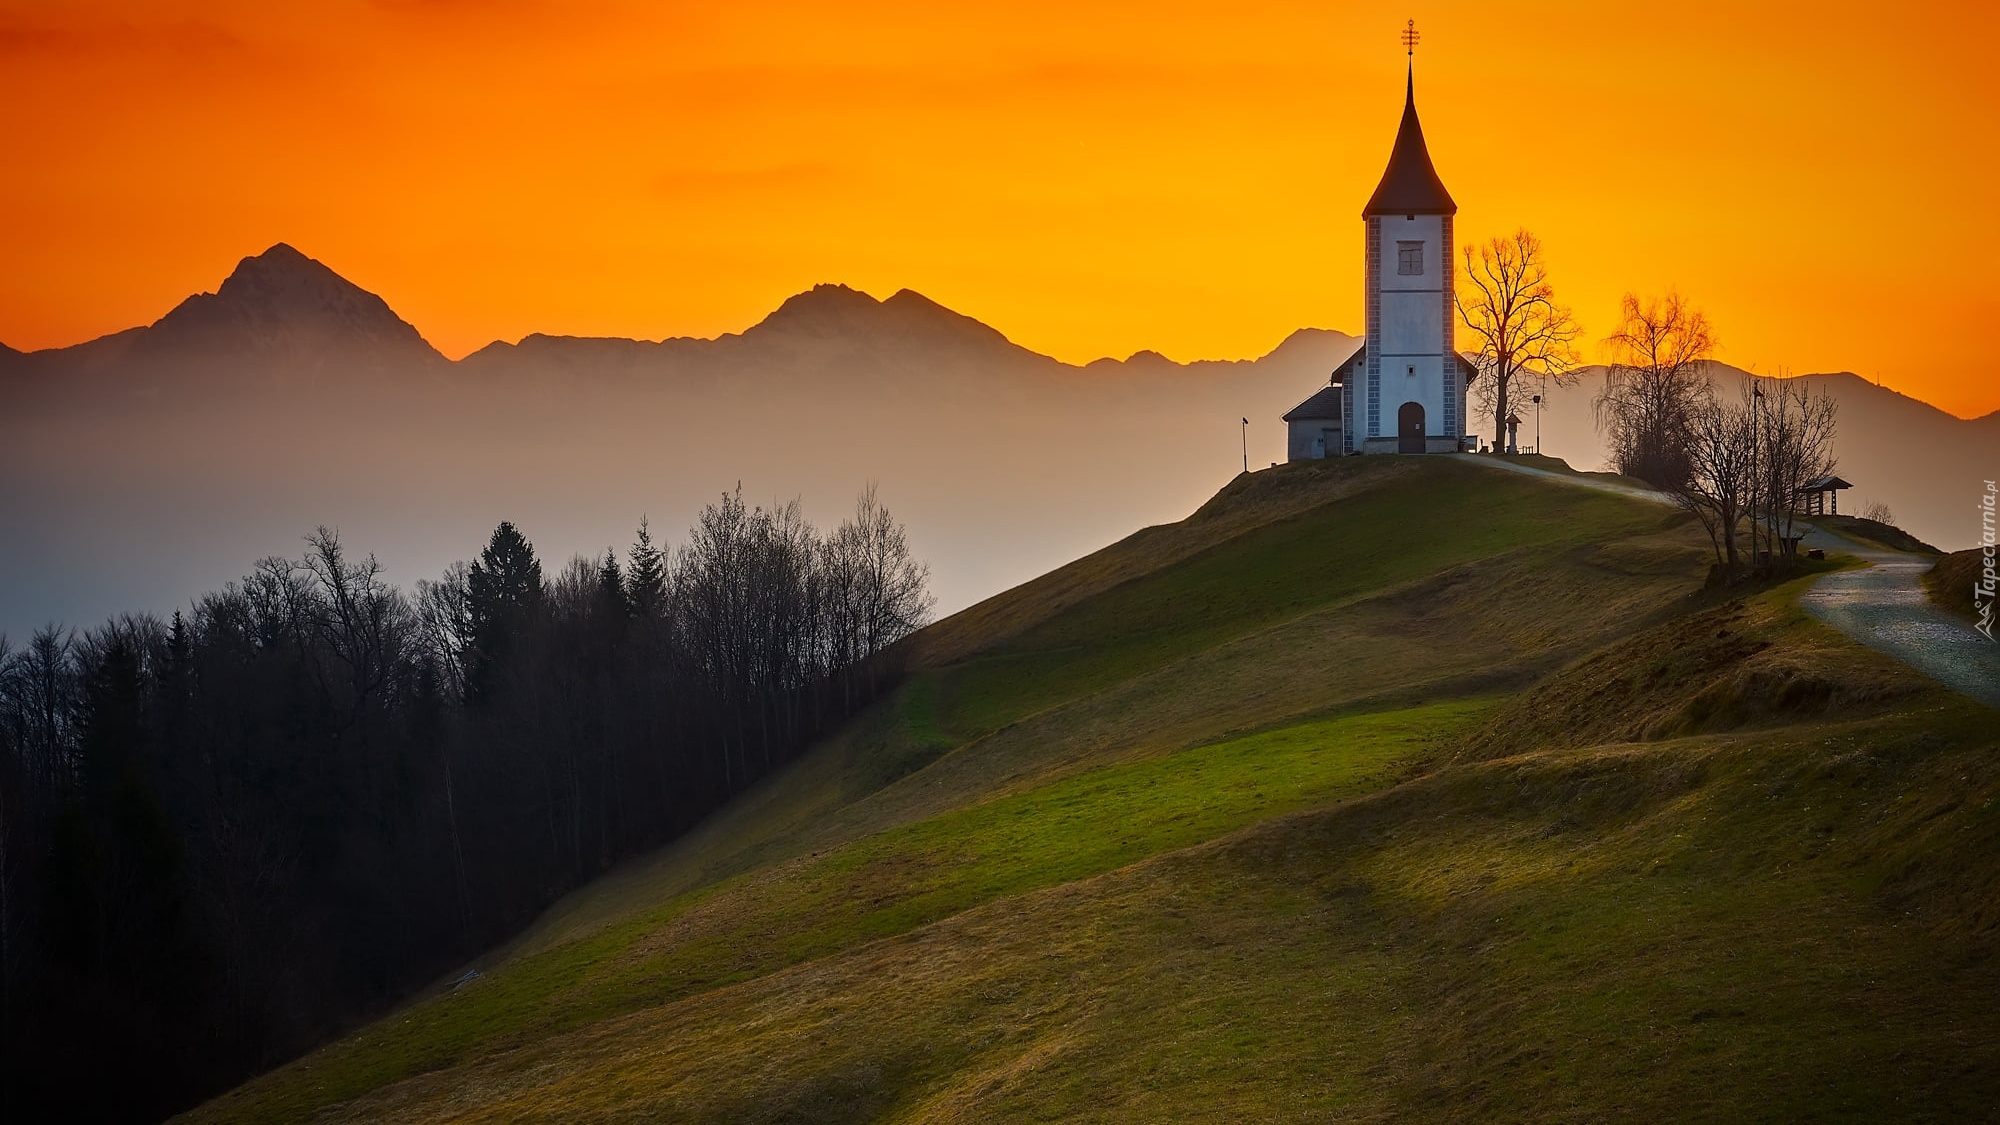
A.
x: 895, y: 881
x: 1275, y: 573
x: 1374, y: 790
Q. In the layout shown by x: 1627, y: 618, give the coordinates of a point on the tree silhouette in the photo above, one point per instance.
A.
x: 1509, y: 304
x: 1654, y: 387
x: 223, y: 838
x: 503, y: 593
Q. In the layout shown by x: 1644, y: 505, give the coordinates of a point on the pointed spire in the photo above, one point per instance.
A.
x: 1410, y: 185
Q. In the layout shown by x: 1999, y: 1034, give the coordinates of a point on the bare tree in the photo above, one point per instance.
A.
x: 1720, y: 485
x: 1794, y: 448
x: 48, y: 689
x: 1654, y: 387
x: 891, y: 589
x: 444, y: 611
x: 1511, y: 306
x: 356, y: 617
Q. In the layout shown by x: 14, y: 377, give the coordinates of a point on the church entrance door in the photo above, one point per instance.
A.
x: 1410, y: 428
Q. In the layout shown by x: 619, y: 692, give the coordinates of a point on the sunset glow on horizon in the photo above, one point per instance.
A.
x: 1091, y: 179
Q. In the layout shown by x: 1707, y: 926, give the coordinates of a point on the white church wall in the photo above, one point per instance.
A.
x: 1428, y: 229
x: 1412, y: 323
x: 1412, y: 330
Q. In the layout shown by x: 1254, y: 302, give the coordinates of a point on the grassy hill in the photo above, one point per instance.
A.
x: 1377, y: 787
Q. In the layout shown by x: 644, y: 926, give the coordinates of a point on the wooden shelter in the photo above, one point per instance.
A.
x: 1821, y: 497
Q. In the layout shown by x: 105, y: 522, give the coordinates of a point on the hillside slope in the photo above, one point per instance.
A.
x: 1376, y: 787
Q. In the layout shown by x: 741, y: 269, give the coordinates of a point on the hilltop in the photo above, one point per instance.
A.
x: 1374, y: 788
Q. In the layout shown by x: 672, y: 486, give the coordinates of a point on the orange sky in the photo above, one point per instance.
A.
x: 1090, y: 178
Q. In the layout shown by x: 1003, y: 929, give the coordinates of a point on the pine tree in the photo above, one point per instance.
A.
x: 504, y: 593
x: 611, y: 593
x: 646, y: 581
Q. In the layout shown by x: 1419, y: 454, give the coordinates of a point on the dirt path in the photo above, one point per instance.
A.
x: 1600, y: 485
x: 1882, y: 606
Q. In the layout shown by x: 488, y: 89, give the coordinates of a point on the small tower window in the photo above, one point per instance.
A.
x: 1410, y: 258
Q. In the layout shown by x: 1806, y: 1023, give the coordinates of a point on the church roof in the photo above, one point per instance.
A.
x: 1410, y: 185
x: 1324, y: 406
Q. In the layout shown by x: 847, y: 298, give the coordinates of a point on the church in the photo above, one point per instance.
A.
x: 1404, y: 389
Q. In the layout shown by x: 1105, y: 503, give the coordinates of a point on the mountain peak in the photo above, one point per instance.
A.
x: 281, y: 304
x: 281, y: 260
x: 281, y: 278
x: 824, y: 309
x: 830, y: 310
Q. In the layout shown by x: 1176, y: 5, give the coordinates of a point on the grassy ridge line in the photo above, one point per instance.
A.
x: 1249, y: 501
x: 1411, y: 526
x: 878, y: 887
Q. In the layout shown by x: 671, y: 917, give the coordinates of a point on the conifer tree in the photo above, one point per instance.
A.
x: 646, y: 581
x: 611, y: 593
x: 503, y: 592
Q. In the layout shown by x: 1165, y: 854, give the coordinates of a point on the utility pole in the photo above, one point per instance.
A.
x: 1246, y: 445
x: 1756, y: 478
x: 1538, y: 427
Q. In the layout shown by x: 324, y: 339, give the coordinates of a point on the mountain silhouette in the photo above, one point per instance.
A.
x: 278, y: 316
x: 906, y: 318
x: 291, y: 397
x: 283, y: 304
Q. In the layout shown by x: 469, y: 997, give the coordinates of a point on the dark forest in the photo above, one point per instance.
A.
x: 231, y: 834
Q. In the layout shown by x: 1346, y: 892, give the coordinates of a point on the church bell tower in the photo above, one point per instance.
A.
x: 1411, y: 395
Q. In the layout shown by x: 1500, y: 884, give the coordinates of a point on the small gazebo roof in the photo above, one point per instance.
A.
x: 1826, y: 483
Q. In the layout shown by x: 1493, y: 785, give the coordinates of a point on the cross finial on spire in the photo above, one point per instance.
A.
x: 1410, y: 39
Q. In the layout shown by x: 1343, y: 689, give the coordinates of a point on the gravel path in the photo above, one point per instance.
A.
x: 1882, y: 606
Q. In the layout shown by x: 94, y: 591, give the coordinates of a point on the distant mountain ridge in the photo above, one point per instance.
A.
x: 291, y: 397
x: 282, y: 306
